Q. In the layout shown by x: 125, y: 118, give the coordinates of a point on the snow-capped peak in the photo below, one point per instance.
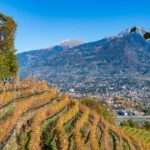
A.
x: 138, y: 30
x: 70, y: 43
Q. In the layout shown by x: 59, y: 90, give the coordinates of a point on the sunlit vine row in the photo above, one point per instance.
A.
x: 142, y: 136
x: 10, y: 96
x: 40, y: 117
x: 93, y: 138
x: 78, y: 126
x: 21, y: 107
x: 19, y: 131
x: 61, y: 134
x: 24, y: 84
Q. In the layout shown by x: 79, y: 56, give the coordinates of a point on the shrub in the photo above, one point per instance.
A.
x: 99, y: 108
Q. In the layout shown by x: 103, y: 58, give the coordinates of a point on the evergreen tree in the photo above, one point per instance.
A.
x: 147, y: 35
x: 133, y: 29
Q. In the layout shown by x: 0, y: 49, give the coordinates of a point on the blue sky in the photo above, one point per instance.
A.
x: 42, y: 23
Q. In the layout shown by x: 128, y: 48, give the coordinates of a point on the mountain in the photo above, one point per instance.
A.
x: 119, y: 65
x: 36, y: 57
x: 70, y: 43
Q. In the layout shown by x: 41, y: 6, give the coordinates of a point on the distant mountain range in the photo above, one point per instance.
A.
x: 32, y: 57
x: 118, y: 65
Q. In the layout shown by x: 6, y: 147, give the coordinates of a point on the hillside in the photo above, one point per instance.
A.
x: 41, y: 118
x: 119, y: 65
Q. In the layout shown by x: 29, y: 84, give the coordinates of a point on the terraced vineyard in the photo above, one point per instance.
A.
x: 142, y: 135
x: 35, y: 117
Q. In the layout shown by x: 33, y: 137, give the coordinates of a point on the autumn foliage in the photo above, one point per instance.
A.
x: 8, y: 59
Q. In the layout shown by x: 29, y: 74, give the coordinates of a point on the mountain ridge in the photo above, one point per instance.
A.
x: 65, y: 44
x: 104, y: 66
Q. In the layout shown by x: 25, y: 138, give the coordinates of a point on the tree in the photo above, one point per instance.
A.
x: 129, y: 123
x: 8, y: 59
x: 133, y: 29
x: 147, y: 35
x: 147, y: 125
